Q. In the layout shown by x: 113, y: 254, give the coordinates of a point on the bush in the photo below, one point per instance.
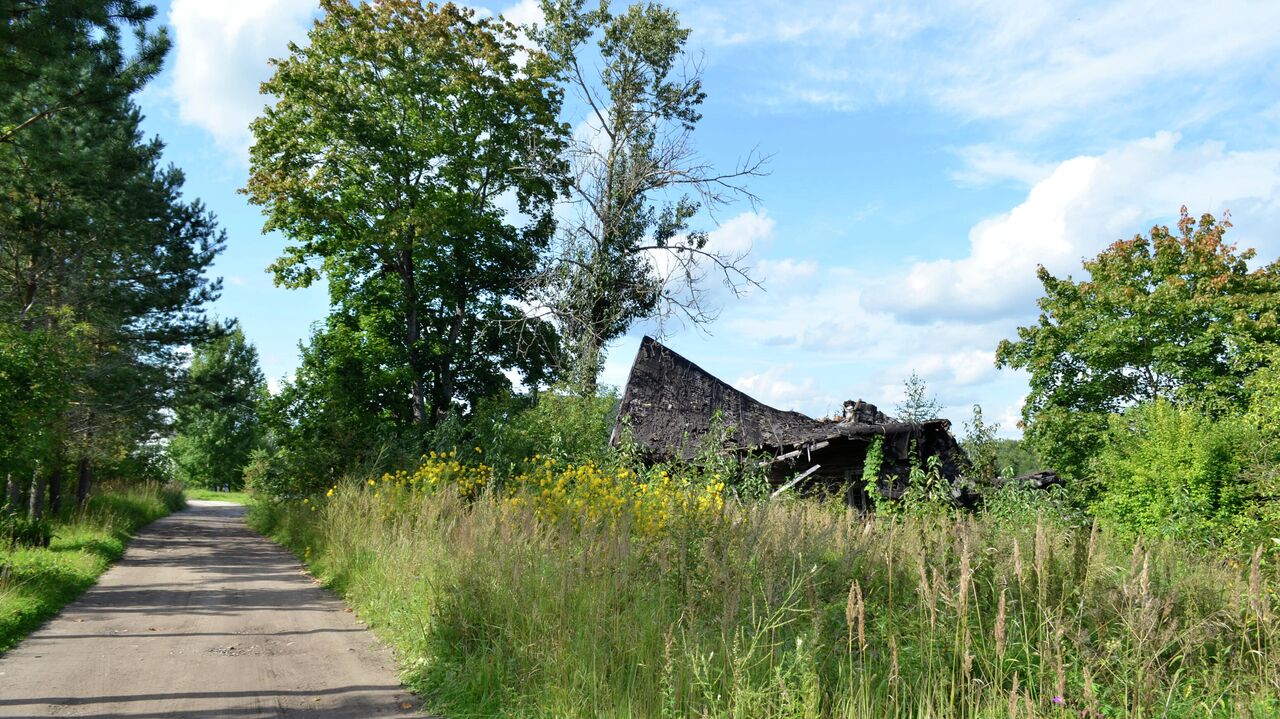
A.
x: 1172, y: 471
x: 555, y: 424
x: 20, y: 531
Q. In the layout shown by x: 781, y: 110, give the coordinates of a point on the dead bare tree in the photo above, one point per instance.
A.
x: 625, y: 251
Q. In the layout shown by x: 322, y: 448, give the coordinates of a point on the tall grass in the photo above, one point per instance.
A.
x: 35, y: 582
x: 792, y: 610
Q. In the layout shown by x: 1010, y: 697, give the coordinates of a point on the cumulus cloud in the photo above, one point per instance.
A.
x: 220, y: 56
x: 734, y: 240
x: 221, y: 51
x: 1083, y: 205
x: 742, y: 233
x: 525, y: 12
x: 785, y: 272
x: 831, y: 331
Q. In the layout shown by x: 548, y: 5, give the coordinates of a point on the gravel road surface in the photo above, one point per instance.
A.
x: 203, y: 618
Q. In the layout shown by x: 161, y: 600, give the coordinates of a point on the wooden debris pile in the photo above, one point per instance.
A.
x: 669, y: 403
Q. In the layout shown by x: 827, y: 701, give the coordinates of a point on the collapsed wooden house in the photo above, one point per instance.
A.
x: 669, y: 404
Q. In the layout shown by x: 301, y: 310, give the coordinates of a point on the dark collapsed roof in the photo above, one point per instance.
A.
x: 669, y: 401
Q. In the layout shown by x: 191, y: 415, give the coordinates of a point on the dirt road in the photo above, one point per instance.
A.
x: 202, y: 618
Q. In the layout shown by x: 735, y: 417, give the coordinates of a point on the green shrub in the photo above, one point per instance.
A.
x: 1020, y: 504
x: 1171, y: 471
x: 19, y: 531
x: 555, y: 423
x: 1015, y: 457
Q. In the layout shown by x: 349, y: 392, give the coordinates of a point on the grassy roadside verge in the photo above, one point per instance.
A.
x: 790, y: 611
x: 209, y: 494
x: 37, y: 582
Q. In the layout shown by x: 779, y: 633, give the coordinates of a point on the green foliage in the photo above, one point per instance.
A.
x: 1261, y: 458
x: 214, y: 495
x: 556, y: 424
x: 217, y: 418
x: 872, y: 464
x: 918, y: 404
x: 19, y: 531
x: 979, y: 444
x: 1015, y: 457
x: 69, y: 56
x: 1023, y: 505
x: 745, y: 475
x: 340, y: 412
x: 103, y: 259
x: 927, y: 493
x: 264, y: 475
x: 1178, y: 316
x: 396, y: 130
x: 34, y: 394
x: 1172, y: 471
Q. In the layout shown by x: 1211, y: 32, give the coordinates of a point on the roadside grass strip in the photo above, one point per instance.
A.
x: 35, y: 583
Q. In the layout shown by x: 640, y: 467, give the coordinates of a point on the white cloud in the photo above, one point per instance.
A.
x: 220, y: 56
x: 1037, y: 65
x: 986, y: 164
x: 525, y: 12
x: 958, y: 368
x: 733, y: 240
x: 742, y: 233
x: 1083, y: 205
x: 825, y: 331
x: 221, y: 51
x: 785, y: 272
x: 1016, y: 58
x: 781, y: 387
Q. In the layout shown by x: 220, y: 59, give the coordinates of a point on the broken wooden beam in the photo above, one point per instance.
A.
x: 795, y: 481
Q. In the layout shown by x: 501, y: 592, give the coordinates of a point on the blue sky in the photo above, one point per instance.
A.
x: 926, y: 157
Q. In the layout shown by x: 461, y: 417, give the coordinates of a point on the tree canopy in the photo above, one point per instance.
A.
x: 102, y: 261
x: 217, y: 413
x: 1178, y: 315
x: 405, y: 145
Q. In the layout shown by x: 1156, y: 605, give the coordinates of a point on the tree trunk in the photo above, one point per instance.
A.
x: 36, y: 508
x: 84, y: 480
x: 55, y: 490
x: 587, y: 370
x: 413, y: 332
x: 448, y: 373
x: 13, y: 493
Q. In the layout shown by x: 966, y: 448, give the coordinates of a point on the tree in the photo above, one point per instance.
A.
x: 99, y: 253
x: 918, y: 405
x: 1173, y: 471
x: 63, y: 55
x: 398, y: 133
x: 34, y: 397
x: 980, y: 447
x: 217, y: 416
x: 635, y: 181
x: 1178, y: 316
x: 344, y: 408
x: 1015, y: 458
